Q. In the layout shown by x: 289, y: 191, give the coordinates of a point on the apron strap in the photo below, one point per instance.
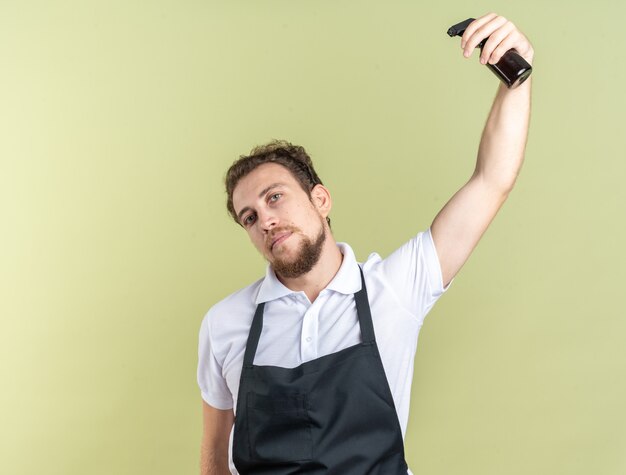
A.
x: 253, y: 336
x: 365, y: 316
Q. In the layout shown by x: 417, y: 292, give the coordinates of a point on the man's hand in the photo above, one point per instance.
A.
x: 503, y: 36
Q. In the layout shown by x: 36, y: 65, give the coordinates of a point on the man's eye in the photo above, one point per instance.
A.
x: 275, y: 196
x: 248, y: 219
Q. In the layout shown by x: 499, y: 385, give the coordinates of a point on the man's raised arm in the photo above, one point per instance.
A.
x: 460, y: 224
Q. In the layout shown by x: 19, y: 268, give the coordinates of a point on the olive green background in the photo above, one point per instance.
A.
x: 118, y: 120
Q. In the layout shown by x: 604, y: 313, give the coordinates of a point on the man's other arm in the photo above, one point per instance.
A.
x: 458, y: 227
x: 215, y: 439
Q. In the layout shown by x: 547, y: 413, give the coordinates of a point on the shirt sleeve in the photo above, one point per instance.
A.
x: 414, y: 272
x: 212, y: 383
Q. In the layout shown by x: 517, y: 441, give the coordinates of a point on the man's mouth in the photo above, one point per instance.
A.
x: 279, y: 238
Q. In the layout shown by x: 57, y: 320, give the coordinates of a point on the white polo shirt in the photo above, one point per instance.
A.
x: 401, y: 288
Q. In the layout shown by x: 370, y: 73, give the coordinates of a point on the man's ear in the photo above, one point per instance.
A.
x: 320, y: 196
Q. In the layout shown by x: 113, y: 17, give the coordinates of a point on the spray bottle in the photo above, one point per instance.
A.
x: 512, y: 69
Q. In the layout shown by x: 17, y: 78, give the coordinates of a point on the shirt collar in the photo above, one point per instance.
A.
x: 346, y: 281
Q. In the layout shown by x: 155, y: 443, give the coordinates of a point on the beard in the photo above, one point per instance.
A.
x: 307, y: 255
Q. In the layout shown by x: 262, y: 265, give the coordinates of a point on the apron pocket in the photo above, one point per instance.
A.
x: 279, y: 428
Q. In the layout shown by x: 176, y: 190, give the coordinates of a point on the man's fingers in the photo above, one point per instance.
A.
x: 494, y: 41
x: 506, y: 44
x: 483, y: 32
x: 502, y: 36
x: 473, y: 26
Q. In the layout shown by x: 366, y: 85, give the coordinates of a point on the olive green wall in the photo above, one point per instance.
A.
x: 118, y: 120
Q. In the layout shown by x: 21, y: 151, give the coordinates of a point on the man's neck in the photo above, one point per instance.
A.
x: 314, y: 281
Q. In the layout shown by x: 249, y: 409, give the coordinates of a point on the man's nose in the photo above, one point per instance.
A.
x: 267, y: 219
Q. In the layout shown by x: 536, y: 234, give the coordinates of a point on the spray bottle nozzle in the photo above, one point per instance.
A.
x: 459, y: 28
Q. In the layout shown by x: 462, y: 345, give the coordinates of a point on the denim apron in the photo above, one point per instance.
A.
x: 334, y: 415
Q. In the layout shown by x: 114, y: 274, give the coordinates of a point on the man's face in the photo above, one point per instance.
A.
x: 287, y: 227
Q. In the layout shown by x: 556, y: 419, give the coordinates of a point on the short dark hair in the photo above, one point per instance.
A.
x: 293, y: 157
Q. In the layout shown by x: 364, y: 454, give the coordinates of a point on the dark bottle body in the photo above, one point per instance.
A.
x: 512, y: 69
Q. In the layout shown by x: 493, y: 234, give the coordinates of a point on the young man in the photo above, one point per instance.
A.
x: 316, y: 359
